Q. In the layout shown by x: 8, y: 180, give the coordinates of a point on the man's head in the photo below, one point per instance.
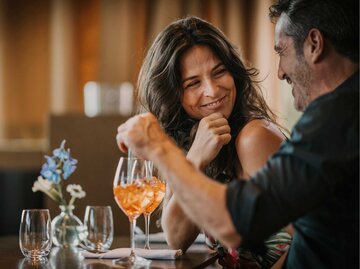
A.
x: 337, y: 20
x: 305, y: 32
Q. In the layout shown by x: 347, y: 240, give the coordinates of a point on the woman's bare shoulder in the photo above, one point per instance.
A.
x: 260, y: 129
x: 256, y: 142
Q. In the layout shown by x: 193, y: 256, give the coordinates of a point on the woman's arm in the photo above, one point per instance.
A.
x: 256, y: 142
x: 180, y: 232
x: 202, y: 199
x: 213, y: 132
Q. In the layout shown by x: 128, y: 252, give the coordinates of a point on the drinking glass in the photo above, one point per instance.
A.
x: 133, y: 195
x: 157, y: 184
x: 35, y: 234
x: 31, y: 264
x: 100, y: 228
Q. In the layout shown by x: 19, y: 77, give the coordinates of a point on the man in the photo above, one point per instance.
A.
x: 313, y: 180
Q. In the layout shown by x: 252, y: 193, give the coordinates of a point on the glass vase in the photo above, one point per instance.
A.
x: 67, y: 229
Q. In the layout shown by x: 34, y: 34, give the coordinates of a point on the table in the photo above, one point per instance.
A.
x: 198, y: 256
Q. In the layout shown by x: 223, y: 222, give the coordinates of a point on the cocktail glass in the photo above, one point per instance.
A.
x: 156, y: 182
x: 133, y: 195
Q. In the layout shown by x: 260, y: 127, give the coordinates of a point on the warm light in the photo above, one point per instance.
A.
x: 126, y: 98
x: 92, y: 99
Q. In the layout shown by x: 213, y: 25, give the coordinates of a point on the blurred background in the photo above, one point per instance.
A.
x: 68, y: 70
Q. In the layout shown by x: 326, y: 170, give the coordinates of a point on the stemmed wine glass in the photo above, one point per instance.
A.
x: 133, y: 195
x: 158, y: 186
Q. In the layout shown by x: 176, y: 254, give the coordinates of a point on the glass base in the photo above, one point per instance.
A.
x: 34, y: 261
x: 36, y: 256
x: 132, y: 262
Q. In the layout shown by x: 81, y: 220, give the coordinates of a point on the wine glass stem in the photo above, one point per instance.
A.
x: 147, y: 230
x: 132, y: 241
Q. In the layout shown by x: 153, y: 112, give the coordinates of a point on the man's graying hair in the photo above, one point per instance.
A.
x: 338, y: 21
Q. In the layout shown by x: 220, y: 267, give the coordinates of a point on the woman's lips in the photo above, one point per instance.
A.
x: 215, y: 104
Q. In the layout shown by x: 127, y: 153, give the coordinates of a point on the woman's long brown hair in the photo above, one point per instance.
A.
x: 160, y: 88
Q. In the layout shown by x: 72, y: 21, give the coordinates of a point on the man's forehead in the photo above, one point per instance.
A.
x: 280, y: 35
x: 282, y: 21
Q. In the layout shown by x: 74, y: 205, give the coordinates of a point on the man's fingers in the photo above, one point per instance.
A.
x: 122, y: 147
x: 118, y: 136
x: 121, y: 143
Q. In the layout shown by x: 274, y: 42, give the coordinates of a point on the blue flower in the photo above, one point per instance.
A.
x: 69, y: 167
x: 50, y: 172
x: 51, y: 162
x: 61, y: 153
x: 56, y: 169
x: 72, y: 160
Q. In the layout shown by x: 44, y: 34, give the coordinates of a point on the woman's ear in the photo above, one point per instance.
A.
x: 314, y: 45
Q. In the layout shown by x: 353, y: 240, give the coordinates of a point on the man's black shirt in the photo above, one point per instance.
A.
x: 312, y: 182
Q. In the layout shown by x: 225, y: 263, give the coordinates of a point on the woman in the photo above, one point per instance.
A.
x: 194, y: 82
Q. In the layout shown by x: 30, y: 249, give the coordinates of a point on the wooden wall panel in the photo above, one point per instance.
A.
x: 49, y: 49
x: 87, y: 34
x: 25, y: 67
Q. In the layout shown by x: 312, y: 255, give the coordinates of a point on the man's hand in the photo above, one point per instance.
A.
x: 212, y: 134
x: 142, y: 134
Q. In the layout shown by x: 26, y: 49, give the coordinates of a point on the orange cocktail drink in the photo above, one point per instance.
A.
x: 134, y: 199
x: 158, y: 188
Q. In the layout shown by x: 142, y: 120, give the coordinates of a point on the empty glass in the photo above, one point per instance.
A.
x: 100, y: 228
x: 35, y: 234
x: 31, y: 264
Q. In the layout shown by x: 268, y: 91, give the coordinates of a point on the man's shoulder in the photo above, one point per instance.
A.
x: 331, y: 116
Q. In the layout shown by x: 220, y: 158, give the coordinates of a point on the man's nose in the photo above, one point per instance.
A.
x: 281, y: 73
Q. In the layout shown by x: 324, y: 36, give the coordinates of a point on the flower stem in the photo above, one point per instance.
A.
x: 59, y: 189
x: 72, y: 200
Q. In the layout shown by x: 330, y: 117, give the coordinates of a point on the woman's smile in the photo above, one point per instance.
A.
x: 208, y: 85
x: 215, y: 104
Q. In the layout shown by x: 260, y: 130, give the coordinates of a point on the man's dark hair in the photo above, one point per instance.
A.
x: 338, y: 21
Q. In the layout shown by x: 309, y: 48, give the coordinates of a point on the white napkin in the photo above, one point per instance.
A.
x: 160, y: 238
x: 153, y: 254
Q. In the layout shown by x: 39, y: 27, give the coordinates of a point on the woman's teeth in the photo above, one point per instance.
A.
x: 214, y: 103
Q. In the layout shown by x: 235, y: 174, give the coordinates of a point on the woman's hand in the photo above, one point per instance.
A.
x: 212, y: 134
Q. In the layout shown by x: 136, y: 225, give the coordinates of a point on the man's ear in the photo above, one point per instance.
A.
x: 314, y: 45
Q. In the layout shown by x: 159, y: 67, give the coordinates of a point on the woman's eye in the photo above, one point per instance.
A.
x: 192, y: 84
x: 219, y: 72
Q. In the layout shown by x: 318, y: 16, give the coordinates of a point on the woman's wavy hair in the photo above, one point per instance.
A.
x: 160, y: 88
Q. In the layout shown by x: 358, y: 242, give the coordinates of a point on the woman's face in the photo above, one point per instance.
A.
x: 208, y: 85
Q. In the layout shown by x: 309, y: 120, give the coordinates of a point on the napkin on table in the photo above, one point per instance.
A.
x: 153, y: 254
x: 160, y: 238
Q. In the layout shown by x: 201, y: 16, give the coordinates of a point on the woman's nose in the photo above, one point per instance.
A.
x: 210, y: 88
